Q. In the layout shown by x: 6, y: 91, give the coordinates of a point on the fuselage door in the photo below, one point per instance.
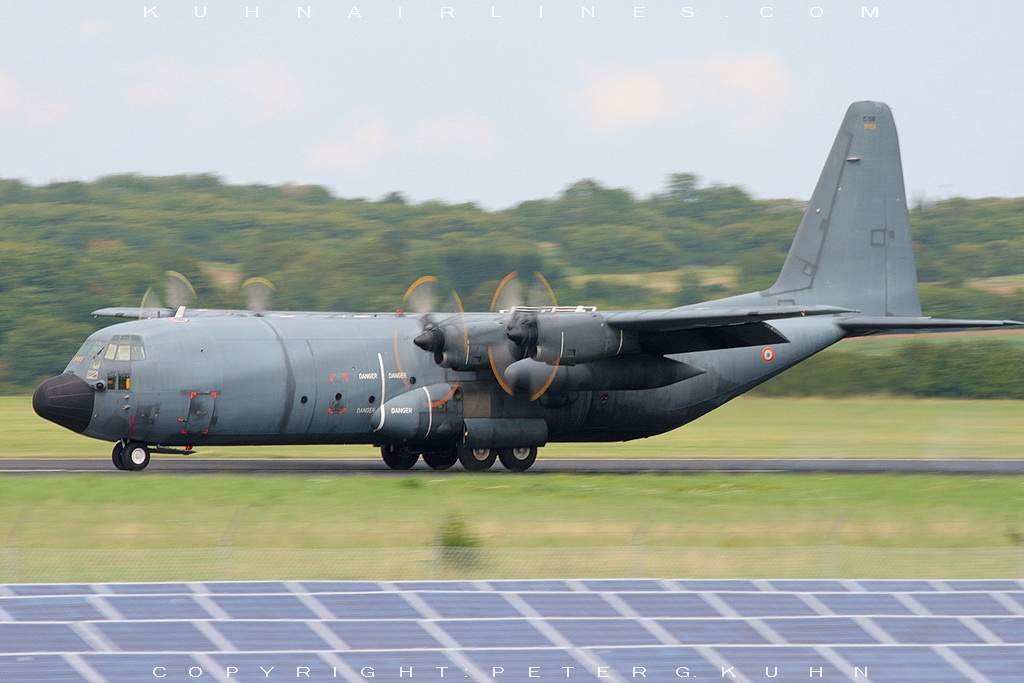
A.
x: 200, y: 413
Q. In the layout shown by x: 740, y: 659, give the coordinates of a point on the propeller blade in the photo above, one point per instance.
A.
x: 149, y: 300
x: 422, y: 295
x: 180, y: 291
x: 258, y: 292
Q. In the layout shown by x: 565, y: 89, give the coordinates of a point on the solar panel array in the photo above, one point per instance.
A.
x: 583, y: 630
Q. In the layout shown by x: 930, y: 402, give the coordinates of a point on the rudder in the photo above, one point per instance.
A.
x: 853, y: 247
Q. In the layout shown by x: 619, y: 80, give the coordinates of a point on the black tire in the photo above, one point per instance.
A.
x: 441, y: 460
x: 398, y: 457
x: 135, y: 456
x: 518, y: 459
x: 115, y: 455
x: 477, y: 459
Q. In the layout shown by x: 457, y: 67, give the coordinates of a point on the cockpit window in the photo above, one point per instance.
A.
x: 120, y: 347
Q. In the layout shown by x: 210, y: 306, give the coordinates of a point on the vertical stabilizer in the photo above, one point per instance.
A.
x: 853, y: 247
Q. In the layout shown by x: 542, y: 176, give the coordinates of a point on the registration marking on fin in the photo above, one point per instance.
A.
x: 869, y: 126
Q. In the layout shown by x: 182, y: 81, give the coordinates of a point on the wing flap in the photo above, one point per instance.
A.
x: 872, y: 324
x: 676, y: 319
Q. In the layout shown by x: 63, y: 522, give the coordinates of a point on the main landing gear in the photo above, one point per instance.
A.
x: 472, y: 459
x: 131, y: 455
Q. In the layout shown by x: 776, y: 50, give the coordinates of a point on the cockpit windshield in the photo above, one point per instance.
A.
x: 120, y: 347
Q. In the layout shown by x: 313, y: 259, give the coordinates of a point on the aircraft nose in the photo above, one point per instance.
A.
x: 66, y: 400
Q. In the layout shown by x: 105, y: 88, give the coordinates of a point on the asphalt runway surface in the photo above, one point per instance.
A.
x: 351, y: 466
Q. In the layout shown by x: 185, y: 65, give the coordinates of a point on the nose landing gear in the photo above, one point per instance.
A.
x: 131, y: 455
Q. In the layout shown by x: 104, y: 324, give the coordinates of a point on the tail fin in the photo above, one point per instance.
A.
x: 853, y: 246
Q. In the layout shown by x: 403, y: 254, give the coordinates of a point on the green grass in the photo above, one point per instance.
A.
x: 148, y: 526
x: 749, y: 427
x: 143, y: 527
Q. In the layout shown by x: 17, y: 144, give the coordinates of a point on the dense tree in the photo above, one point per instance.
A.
x: 68, y: 248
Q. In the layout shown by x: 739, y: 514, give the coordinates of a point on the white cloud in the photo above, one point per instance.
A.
x: 361, y: 146
x: 21, y: 102
x: 749, y: 92
x: 256, y: 92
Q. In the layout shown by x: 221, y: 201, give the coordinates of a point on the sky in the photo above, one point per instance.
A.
x: 502, y: 101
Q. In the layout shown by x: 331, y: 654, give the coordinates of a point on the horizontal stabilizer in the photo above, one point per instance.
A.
x: 872, y: 324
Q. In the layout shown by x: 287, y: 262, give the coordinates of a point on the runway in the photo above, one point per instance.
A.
x: 343, y: 467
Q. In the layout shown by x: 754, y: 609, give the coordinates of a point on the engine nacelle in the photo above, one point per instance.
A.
x: 460, y: 345
x: 427, y: 413
x: 621, y: 373
x: 572, y: 338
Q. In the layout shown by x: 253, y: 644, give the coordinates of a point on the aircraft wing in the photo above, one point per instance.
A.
x: 688, y: 330
x: 674, y: 319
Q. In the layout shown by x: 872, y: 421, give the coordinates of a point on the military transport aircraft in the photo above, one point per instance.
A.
x: 476, y: 387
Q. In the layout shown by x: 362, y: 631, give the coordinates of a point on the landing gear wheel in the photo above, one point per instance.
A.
x: 440, y: 460
x: 398, y: 457
x: 477, y: 459
x: 518, y: 459
x: 134, y: 456
x: 115, y: 455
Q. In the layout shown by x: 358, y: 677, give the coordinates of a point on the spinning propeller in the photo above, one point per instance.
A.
x: 461, y: 343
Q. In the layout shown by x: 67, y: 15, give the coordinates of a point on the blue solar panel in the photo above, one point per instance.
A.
x: 885, y: 586
x: 495, y: 633
x: 969, y: 604
x: 820, y: 631
x: 381, y: 635
x: 368, y: 606
x: 1009, y: 629
x: 712, y: 585
x: 528, y: 585
x: 767, y: 604
x: 147, y: 588
x: 852, y: 604
x: 712, y: 631
x: 808, y: 586
x: 236, y: 587
x: 50, y: 668
x: 155, y: 636
x: 1002, y: 663
x: 598, y: 632
x: 62, y: 608
x: 974, y: 585
x: 263, y: 607
x: 280, y: 635
x: 620, y: 585
x: 40, y: 638
x: 669, y: 605
x: 473, y: 629
x: 469, y: 605
x: 914, y: 630
x: 150, y: 607
x: 569, y: 605
x: 340, y: 586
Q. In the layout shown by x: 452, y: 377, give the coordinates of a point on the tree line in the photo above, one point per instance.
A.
x: 68, y: 248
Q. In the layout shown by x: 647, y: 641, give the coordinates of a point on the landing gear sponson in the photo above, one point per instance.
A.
x: 472, y: 459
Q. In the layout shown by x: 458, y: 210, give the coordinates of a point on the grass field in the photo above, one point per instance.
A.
x: 748, y: 427
x: 94, y: 527
x: 148, y: 526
